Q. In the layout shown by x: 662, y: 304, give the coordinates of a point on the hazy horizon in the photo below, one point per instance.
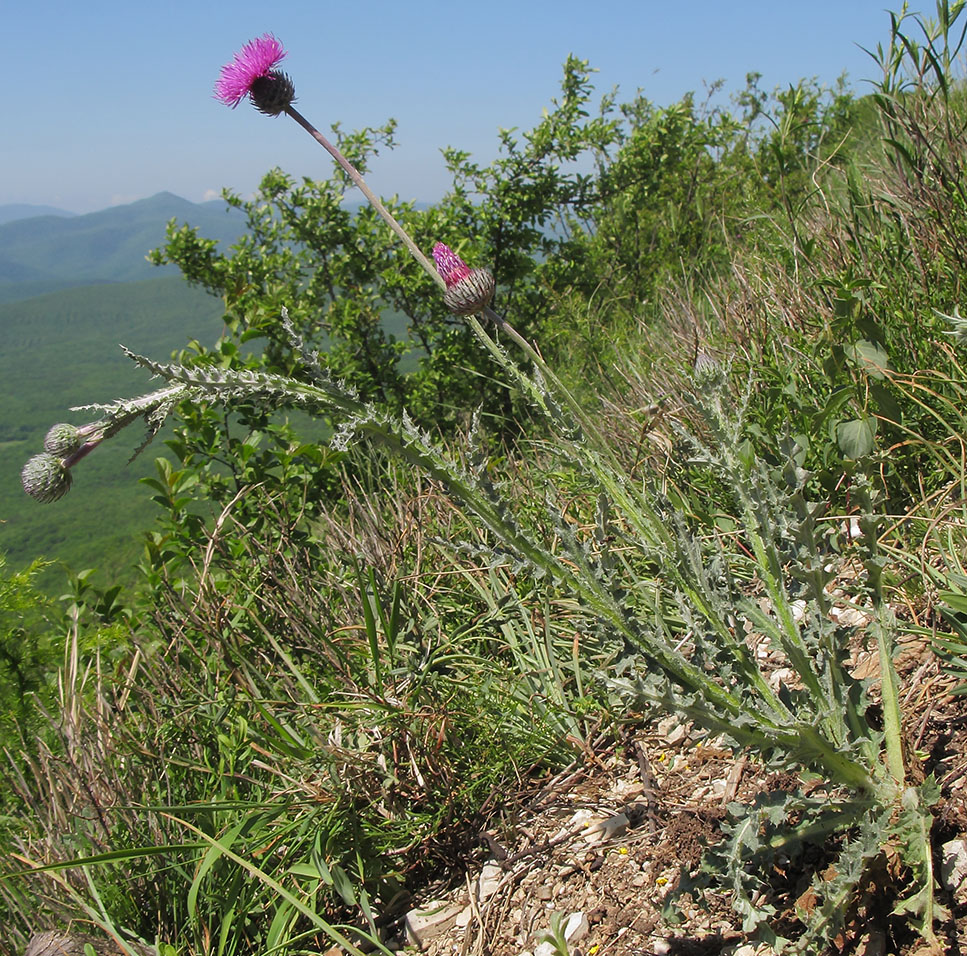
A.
x: 56, y: 211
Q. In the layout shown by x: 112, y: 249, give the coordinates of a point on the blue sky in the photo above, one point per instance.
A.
x: 108, y: 102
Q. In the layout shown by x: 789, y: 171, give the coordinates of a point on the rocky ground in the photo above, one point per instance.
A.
x: 598, y: 849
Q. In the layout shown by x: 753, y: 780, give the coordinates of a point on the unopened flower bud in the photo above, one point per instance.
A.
x: 468, y: 290
x: 63, y: 440
x: 45, y: 478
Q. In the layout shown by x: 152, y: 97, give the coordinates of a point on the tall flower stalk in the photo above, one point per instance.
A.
x: 821, y: 727
x: 253, y: 73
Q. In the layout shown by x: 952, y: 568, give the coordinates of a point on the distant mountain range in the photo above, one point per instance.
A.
x: 55, y: 250
x: 23, y: 210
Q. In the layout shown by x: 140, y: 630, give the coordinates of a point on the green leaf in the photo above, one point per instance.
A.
x: 870, y: 357
x: 856, y: 437
x: 114, y: 856
x: 954, y: 600
x: 887, y: 406
x: 834, y: 403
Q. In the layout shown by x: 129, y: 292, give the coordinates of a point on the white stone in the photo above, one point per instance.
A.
x: 672, y: 730
x: 782, y: 675
x: 676, y: 735
x: 665, y: 724
x: 576, y: 927
x: 953, y: 868
x: 430, y: 920
x: 607, y: 829
x: 852, y: 528
x: 488, y: 881
x: 544, y: 949
x: 582, y: 818
x: 848, y: 616
x: 627, y: 789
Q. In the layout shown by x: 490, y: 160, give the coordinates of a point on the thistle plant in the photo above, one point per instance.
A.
x: 679, y: 606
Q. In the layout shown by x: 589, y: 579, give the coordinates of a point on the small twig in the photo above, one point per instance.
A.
x: 505, y: 861
x: 734, y: 778
x: 213, y: 537
x: 475, y: 914
x: 650, y: 783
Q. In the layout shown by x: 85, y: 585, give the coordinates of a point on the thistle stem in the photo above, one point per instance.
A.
x: 357, y: 178
x: 892, y: 728
x: 586, y: 423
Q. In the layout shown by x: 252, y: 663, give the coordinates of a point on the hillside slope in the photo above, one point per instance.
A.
x: 60, y: 350
x: 11, y: 211
x: 44, y: 253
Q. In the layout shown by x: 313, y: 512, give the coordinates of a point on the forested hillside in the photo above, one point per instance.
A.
x: 62, y: 349
x: 46, y: 253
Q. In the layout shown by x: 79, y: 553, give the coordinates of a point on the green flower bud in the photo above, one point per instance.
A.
x: 63, y: 440
x: 45, y: 478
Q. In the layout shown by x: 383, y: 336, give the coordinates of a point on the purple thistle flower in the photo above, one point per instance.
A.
x: 251, y: 73
x: 468, y: 290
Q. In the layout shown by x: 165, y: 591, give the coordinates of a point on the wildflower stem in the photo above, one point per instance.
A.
x: 357, y: 178
x: 590, y: 429
x: 892, y: 730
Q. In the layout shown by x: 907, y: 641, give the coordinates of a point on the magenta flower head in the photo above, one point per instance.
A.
x: 468, y: 290
x: 252, y: 73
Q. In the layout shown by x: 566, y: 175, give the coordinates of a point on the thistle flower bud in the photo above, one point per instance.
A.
x: 45, y: 478
x: 272, y: 93
x: 468, y: 290
x: 63, y: 440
